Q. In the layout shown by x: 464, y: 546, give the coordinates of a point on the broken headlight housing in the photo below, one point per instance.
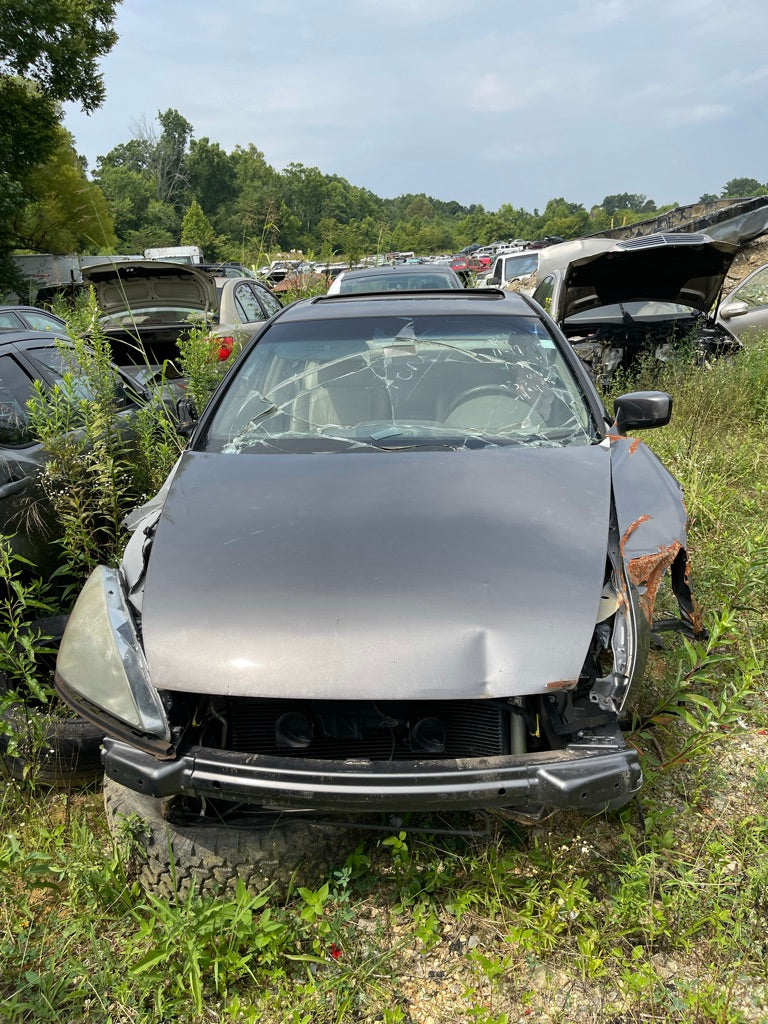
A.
x: 101, y: 670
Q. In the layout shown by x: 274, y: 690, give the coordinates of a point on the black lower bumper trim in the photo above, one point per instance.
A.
x: 577, y: 777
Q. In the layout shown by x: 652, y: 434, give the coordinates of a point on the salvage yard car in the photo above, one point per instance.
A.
x: 148, y: 305
x: 27, y: 356
x: 68, y: 751
x: 407, y: 564
x: 406, y: 277
x: 644, y: 296
x: 744, y: 311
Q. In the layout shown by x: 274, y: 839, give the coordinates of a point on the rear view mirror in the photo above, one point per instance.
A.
x: 731, y: 309
x: 641, y: 410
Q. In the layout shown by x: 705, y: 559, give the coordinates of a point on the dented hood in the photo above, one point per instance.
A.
x: 378, y: 575
x: 682, y: 268
x: 146, y: 284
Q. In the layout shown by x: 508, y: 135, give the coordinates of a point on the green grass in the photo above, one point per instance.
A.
x: 656, y: 914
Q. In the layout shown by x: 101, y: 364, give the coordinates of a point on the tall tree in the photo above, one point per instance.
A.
x: 164, y: 154
x: 49, y: 53
x: 737, y: 187
x: 211, y: 175
x: 57, y: 44
x: 69, y: 213
x: 196, y: 229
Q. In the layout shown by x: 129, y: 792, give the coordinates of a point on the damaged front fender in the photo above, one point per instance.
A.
x: 654, y: 541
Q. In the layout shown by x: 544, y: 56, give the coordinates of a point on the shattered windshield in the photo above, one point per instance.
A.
x: 396, y: 383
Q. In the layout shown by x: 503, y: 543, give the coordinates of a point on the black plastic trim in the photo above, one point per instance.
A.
x: 587, y: 776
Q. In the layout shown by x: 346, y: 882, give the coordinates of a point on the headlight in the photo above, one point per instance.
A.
x: 100, y: 658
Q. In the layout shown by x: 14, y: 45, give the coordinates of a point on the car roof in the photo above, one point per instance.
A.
x: 463, y: 302
x: 399, y: 268
x: 23, y: 335
x: 28, y: 309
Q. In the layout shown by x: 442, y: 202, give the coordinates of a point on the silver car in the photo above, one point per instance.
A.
x: 408, y: 563
x: 744, y: 310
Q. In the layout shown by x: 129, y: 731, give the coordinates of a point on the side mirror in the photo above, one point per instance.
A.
x: 187, y: 414
x: 731, y: 309
x: 641, y: 410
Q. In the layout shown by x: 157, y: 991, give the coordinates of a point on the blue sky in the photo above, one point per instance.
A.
x: 491, y: 102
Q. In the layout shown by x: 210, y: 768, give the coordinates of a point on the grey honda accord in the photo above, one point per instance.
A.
x: 407, y: 564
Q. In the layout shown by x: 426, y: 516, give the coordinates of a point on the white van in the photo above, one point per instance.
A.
x: 176, y: 254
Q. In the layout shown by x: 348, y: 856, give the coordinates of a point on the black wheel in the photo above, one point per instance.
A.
x: 48, y: 747
x: 169, y: 858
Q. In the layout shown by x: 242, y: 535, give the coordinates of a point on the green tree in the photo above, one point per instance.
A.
x: 257, y: 214
x: 624, y: 201
x: 57, y: 44
x: 737, y: 187
x: 69, y: 213
x: 165, y: 155
x: 210, y: 175
x: 196, y: 229
x: 49, y: 53
x: 129, y: 194
x: 569, y: 220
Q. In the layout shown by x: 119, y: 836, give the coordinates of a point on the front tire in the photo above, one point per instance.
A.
x: 210, y: 856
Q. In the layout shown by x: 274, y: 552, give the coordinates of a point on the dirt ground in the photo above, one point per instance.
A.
x: 752, y: 255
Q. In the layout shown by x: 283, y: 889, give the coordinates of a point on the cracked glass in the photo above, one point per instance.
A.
x: 402, y: 382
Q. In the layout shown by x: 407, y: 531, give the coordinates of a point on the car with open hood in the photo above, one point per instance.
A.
x: 407, y: 564
x: 147, y: 305
x: 648, y: 295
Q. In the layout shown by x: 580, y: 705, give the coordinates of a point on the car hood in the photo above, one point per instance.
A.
x: 682, y: 268
x: 378, y: 575
x: 138, y: 284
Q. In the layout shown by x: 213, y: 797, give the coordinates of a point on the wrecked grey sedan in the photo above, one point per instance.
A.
x: 408, y: 563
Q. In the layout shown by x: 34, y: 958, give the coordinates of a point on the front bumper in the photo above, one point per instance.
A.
x: 584, y: 776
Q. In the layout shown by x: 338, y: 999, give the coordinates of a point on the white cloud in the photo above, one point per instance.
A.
x: 497, y: 94
x: 698, y: 113
x: 595, y: 15
x: 410, y: 12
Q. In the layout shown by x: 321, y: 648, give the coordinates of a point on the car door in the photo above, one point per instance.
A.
x: 21, y: 459
x: 745, y: 309
x: 545, y: 295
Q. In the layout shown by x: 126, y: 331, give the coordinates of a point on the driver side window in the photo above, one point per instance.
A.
x: 248, y: 306
x: 755, y: 291
x: 543, y: 294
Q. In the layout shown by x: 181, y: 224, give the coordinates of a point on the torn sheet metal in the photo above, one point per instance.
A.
x: 653, y: 522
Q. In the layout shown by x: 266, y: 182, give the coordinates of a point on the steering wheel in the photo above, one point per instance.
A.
x: 481, y: 391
